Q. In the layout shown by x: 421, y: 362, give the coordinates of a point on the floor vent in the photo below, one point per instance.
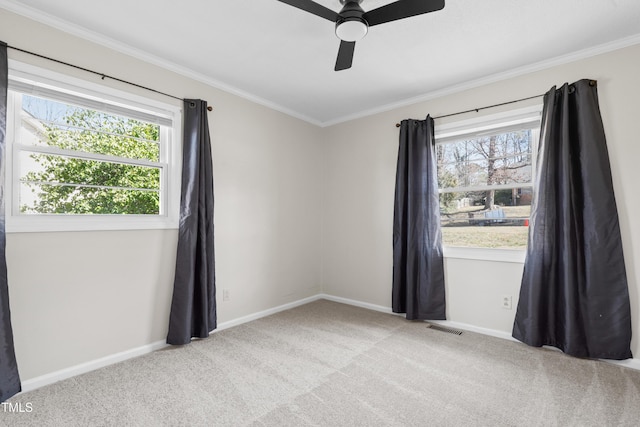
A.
x: 445, y: 329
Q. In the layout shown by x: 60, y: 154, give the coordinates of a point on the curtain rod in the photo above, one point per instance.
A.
x: 102, y: 75
x: 484, y: 108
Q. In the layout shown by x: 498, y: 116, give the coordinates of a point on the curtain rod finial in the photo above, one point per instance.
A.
x: 210, y: 108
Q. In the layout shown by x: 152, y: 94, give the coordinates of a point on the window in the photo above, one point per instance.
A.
x: 485, y: 179
x: 84, y: 158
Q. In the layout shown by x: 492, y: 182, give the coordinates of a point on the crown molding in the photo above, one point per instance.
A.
x: 86, y: 34
x: 494, y: 78
x: 110, y: 43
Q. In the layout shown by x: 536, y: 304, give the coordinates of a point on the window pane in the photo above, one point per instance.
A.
x: 493, y: 218
x: 65, y: 199
x: 52, y: 123
x: 59, y: 184
x: 488, y: 160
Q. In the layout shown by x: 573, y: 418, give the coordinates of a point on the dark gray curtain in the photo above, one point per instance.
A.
x: 418, y: 268
x: 193, y: 308
x: 9, y: 378
x: 574, y: 293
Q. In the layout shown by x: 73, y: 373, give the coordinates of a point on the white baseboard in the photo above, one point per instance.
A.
x: 448, y: 323
x: 92, y: 365
x: 629, y: 363
x: 248, y: 318
x: 356, y: 303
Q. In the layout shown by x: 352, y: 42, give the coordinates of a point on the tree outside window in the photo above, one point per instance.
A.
x: 76, y: 160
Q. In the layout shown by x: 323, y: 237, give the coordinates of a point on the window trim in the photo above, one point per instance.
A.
x: 507, y: 120
x: 42, y: 82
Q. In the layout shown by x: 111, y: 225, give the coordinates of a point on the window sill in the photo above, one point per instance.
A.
x: 46, y: 224
x: 485, y: 254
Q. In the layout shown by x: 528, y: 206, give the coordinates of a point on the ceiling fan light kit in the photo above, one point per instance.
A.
x: 351, y: 31
x: 351, y: 26
x: 352, y: 22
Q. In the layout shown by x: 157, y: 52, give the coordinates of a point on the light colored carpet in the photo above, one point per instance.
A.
x: 328, y: 364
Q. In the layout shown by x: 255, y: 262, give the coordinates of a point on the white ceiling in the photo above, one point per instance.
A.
x: 283, y: 57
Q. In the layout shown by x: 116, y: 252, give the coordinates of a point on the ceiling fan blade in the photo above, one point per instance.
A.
x: 401, y: 9
x: 314, y: 8
x: 345, y: 55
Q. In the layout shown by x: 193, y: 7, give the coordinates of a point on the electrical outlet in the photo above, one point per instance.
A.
x: 506, y: 302
x: 225, y: 295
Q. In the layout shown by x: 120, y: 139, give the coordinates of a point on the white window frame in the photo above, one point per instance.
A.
x: 29, y: 79
x: 478, y: 126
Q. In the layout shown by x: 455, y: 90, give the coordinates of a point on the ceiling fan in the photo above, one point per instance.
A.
x: 352, y: 22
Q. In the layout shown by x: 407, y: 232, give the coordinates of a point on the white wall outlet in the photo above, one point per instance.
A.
x: 225, y: 295
x: 507, y: 301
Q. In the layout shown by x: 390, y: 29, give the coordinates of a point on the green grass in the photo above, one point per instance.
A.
x: 495, y: 236
x: 457, y: 231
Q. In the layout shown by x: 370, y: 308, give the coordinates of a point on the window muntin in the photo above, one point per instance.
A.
x: 81, y: 159
x: 485, y: 180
